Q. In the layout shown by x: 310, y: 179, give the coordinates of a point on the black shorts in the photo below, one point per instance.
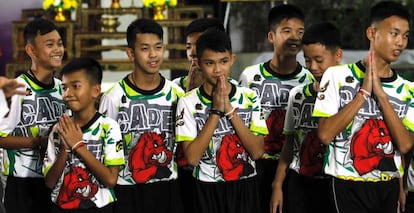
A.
x: 186, y: 182
x: 159, y: 197
x: 266, y: 170
x: 305, y: 194
x: 365, y: 197
x: 106, y: 209
x: 227, y: 197
x: 27, y: 195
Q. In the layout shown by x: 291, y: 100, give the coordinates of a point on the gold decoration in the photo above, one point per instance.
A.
x: 159, y: 6
x: 115, y: 4
x: 59, y: 15
x: 159, y: 13
x: 110, y: 23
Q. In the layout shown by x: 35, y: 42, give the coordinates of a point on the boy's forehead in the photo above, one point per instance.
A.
x: 76, y: 75
x: 394, y: 22
x: 289, y: 21
x: 209, y: 54
x: 50, y: 35
x: 145, y: 37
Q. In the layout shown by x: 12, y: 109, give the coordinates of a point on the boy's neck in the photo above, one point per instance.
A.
x: 46, y: 77
x: 382, y: 68
x: 283, y: 64
x: 84, y: 116
x: 145, y: 81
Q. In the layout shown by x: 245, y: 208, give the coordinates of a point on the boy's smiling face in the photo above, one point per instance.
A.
x: 286, y: 37
x: 148, y: 53
x: 48, y: 50
x: 318, y: 58
x: 78, y: 93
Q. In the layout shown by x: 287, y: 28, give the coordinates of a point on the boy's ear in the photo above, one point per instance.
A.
x: 29, y: 48
x: 370, y: 32
x: 130, y: 53
x: 270, y: 36
x: 96, y: 90
x: 233, y: 59
x: 339, y: 55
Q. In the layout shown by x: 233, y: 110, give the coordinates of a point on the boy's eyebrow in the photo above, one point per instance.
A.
x: 208, y: 59
x: 71, y: 82
x: 52, y: 40
x: 148, y: 44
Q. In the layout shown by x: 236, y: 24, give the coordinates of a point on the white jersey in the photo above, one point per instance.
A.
x: 30, y: 116
x: 273, y: 90
x: 225, y: 158
x: 147, y: 124
x: 308, y: 151
x: 364, y: 150
x: 181, y: 82
x: 77, y: 187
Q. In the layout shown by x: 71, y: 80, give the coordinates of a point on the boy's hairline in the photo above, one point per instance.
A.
x: 84, y: 71
x: 38, y: 34
x: 276, y: 25
x: 137, y: 34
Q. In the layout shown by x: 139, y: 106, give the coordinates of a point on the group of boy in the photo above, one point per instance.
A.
x: 287, y: 135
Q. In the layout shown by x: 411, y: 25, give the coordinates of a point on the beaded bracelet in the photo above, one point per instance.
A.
x: 77, y: 145
x: 217, y: 112
x: 365, y: 92
x: 360, y: 91
x: 81, y: 145
x: 231, y: 114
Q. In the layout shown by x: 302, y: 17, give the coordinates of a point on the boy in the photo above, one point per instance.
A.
x: 24, y: 131
x: 272, y: 80
x: 366, y: 118
x: 303, y: 153
x: 221, y: 130
x: 84, y: 153
x: 144, y: 104
x: 187, y: 83
x: 192, y: 33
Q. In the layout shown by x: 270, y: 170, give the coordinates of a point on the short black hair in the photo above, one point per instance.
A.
x: 281, y: 12
x: 142, y: 25
x: 90, y: 66
x: 37, y: 27
x: 386, y: 9
x: 324, y: 33
x: 202, y: 25
x: 215, y: 40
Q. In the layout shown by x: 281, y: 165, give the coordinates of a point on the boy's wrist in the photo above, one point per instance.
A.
x: 217, y: 112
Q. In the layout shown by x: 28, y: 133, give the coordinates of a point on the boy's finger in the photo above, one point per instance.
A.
x: 223, y: 83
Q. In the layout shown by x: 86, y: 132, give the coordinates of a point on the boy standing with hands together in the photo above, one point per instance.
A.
x: 221, y: 128
x: 85, y: 151
x: 366, y: 118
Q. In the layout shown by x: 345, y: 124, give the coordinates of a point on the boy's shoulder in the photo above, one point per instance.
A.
x: 338, y: 71
x: 253, y: 68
